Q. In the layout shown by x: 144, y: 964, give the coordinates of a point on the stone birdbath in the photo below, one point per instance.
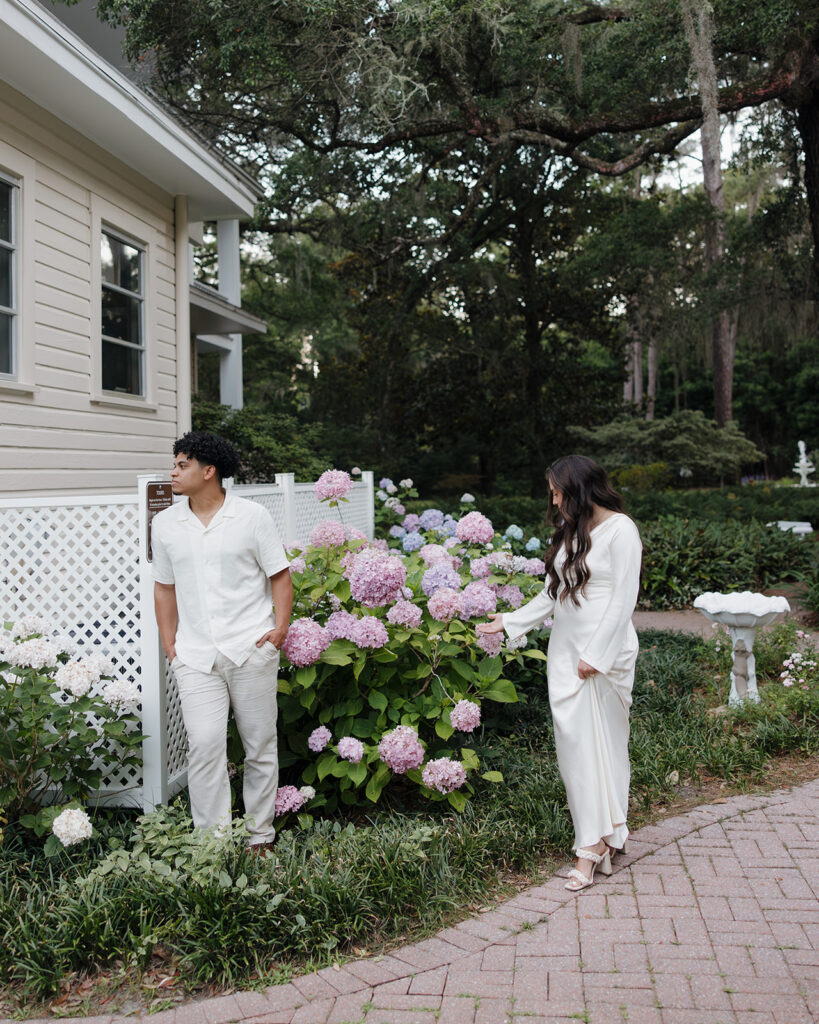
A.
x: 742, y: 613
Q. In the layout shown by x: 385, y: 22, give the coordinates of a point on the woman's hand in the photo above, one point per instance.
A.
x: 495, y: 626
x: 585, y: 670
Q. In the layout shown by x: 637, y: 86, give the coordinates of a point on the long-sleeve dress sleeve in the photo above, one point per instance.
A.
x: 608, y: 639
x: 529, y: 615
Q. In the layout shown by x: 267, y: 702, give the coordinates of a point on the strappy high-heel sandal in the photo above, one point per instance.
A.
x: 577, y: 880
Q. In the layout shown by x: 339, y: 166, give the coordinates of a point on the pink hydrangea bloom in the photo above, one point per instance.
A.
x: 380, y: 544
x: 476, y: 599
x: 288, y: 798
x: 411, y: 522
x: 451, y: 542
x: 350, y: 749
x: 306, y: 641
x: 405, y: 613
x: 511, y: 594
x: 353, y: 533
x: 340, y: 625
x: 298, y: 564
x: 444, y: 604
x: 400, y: 749
x: 333, y: 483
x: 443, y: 774
x: 319, y: 738
x: 376, y: 578
x: 328, y: 534
x: 480, y: 568
x: 534, y: 567
x: 465, y: 716
x: 491, y: 643
x: 432, y: 553
x: 369, y: 631
x: 474, y: 528
x: 399, y: 509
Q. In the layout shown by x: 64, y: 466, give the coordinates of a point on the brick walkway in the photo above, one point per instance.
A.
x: 712, y: 918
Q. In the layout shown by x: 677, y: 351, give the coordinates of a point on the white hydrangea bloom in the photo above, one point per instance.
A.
x: 381, y: 495
x: 29, y: 625
x: 307, y: 792
x: 6, y: 642
x: 391, y: 503
x: 72, y: 826
x: 517, y: 643
x: 391, y: 489
x: 76, y: 678
x: 37, y: 654
x: 355, y: 471
x: 467, y: 499
x: 99, y: 663
x: 64, y: 644
x: 121, y: 694
x: 405, y: 483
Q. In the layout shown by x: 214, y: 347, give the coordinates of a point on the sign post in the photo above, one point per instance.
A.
x: 154, y: 495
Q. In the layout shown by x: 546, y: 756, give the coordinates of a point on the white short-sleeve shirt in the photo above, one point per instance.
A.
x: 222, y: 577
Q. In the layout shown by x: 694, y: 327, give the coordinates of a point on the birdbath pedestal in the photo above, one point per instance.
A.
x: 742, y: 613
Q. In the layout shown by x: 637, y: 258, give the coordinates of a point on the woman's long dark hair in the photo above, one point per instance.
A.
x: 583, y: 484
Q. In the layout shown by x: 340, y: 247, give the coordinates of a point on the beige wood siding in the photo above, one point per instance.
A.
x: 64, y: 435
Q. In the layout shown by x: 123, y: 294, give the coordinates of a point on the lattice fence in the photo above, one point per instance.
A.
x: 81, y: 562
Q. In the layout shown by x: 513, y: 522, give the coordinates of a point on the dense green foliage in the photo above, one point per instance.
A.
x: 332, y: 886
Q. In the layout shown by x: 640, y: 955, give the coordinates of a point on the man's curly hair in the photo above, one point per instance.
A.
x: 210, y: 450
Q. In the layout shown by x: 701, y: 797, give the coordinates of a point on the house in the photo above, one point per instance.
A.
x: 102, y: 192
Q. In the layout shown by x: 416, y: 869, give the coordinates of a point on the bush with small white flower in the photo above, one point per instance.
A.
x: 64, y: 721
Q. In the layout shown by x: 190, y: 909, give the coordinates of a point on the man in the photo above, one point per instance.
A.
x: 220, y: 570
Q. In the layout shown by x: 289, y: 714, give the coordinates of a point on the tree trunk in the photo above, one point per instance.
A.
x: 699, y: 31
x: 651, y: 392
x: 637, y: 371
x: 807, y: 119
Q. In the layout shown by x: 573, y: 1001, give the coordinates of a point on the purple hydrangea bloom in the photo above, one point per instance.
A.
x: 350, y: 749
x: 476, y: 599
x: 288, y: 798
x: 474, y: 528
x: 448, y: 527
x: 384, y: 483
x: 491, y: 643
x: 305, y: 642
x: 439, y: 575
x: 333, y: 483
x: 376, y: 578
x: 405, y: 613
x: 369, y: 632
x: 465, y: 716
x: 319, y: 738
x: 511, y: 594
x: 431, y: 519
x: 412, y: 542
x: 411, y: 522
x: 397, y: 531
x: 401, y: 750
x: 443, y: 605
x: 444, y: 774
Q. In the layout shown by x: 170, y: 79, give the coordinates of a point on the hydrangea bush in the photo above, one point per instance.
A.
x: 64, y: 721
x: 383, y: 675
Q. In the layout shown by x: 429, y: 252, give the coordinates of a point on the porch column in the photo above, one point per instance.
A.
x: 230, y: 285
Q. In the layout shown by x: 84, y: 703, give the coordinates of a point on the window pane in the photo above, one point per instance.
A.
x: 6, y: 296
x: 121, y: 368
x: 120, y: 316
x: 6, y: 357
x: 6, y: 199
x: 120, y: 263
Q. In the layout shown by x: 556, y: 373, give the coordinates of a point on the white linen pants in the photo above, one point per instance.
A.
x: 206, y: 697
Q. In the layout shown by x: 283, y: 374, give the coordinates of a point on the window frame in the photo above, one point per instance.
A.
x: 12, y: 245
x: 118, y: 223
x: 20, y: 171
x: 119, y: 236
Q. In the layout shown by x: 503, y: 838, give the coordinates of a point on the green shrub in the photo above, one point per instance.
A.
x: 764, y: 502
x: 652, y: 477
x: 683, y: 558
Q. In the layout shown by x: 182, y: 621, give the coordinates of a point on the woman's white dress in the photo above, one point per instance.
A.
x: 591, y: 716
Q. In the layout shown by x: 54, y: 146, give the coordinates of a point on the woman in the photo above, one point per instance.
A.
x: 593, y: 576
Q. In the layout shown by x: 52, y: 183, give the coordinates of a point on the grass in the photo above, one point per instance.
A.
x: 339, y: 888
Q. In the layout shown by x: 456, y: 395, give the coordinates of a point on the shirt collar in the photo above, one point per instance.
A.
x: 228, y: 509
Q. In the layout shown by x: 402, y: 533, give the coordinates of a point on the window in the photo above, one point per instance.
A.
x: 9, y: 191
x: 122, y: 266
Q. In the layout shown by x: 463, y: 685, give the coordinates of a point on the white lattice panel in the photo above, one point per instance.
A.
x: 309, y: 511
x: 76, y: 565
x: 272, y: 498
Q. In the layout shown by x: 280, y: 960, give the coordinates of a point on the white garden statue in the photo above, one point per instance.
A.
x: 804, y: 467
x: 742, y: 613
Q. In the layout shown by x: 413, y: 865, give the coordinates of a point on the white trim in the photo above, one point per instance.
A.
x: 184, y: 368
x: 60, y: 501
x: 112, y: 219
x: 22, y: 170
x: 48, y: 63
